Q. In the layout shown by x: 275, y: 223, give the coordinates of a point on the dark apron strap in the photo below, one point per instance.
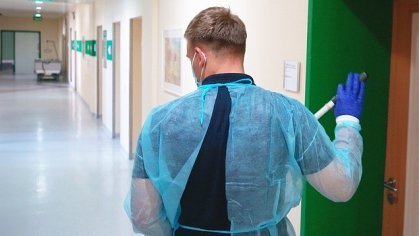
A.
x: 203, y: 203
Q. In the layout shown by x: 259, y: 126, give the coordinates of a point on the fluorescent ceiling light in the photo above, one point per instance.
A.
x: 38, y: 8
x: 38, y: 15
x: 39, y: 2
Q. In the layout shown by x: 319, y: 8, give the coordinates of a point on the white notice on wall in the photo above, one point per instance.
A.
x: 292, y: 76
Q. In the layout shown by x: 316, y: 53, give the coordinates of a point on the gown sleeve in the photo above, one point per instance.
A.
x: 333, y: 168
x: 143, y: 203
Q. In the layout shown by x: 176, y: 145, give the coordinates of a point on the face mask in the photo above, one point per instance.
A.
x: 198, y: 82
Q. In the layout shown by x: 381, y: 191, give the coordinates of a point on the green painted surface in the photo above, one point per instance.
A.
x: 109, y: 50
x: 79, y: 44
x: 8, y: 42
x: 37, y: 18
x: 90, y: 47
x: 343, y: 36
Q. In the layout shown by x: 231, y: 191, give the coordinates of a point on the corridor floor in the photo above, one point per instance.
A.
x: 59, y: 173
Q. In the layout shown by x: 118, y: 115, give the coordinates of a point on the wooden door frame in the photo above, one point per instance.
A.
x: 99, y: 70
x: 70, y: 55
x: 65, y: 51
x: 75, y: 62
x: 132, y: 83
x: 116, y: 50
x: 398, y: 114
x: 412, y: 163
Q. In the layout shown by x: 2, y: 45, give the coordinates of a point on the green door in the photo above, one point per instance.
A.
x: 344, y: 36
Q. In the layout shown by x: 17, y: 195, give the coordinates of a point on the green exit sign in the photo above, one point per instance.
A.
x: 37, y: 18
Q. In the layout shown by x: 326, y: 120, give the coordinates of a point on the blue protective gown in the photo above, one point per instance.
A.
x: 273, y: 143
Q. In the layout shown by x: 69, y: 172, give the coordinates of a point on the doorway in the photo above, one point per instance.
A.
x: 27, y: 49
x: 135, y: 100
x: 20, y: 49
x: 7, y: 57
x: 331, y: 38
x: 116, y: 84
x: 74, y: 67
x: 398, y: 206
x: 64, y: 49
x: 70, y: 55
x: 99, y: 71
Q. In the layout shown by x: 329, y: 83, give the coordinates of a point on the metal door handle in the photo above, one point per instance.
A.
x: 390, y: 184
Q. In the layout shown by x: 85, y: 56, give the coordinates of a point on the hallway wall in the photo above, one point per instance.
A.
x: 83, y: 25
x: 271, y: 38
x: 108, y: 12
x: 105, y: 13
x: 49, y: 28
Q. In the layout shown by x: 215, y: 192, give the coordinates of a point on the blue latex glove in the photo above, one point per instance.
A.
x: 350, y: 98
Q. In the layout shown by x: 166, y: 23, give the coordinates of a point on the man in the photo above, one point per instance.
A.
x: 229, y: 158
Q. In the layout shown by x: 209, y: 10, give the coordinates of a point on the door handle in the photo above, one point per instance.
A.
x: 390, y: 184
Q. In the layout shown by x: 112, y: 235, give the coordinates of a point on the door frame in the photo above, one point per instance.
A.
x: 398, y: 114
x: 75, y: 62
x: 99, y: 70
x: 135, y: 87
x: 412, y: 163
x: 64, y: 50
x: 70, y: 55
x: 116, y: 78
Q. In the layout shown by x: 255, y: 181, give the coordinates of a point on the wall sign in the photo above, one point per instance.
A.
x: 90, y: 47
x: 109, y: 50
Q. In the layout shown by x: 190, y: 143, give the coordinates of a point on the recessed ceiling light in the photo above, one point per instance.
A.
x: 38, y: 8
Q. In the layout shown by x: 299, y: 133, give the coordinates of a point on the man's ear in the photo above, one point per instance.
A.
x: 202, y: 58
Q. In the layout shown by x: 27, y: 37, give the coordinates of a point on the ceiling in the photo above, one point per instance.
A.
x: 26, y: 8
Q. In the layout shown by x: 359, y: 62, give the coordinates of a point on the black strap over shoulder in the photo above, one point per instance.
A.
x: 203, y: 203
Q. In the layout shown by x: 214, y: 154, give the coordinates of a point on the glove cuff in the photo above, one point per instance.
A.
x: 343, y: 118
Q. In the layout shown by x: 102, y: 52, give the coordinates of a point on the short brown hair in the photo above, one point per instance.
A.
x: 218, y: 28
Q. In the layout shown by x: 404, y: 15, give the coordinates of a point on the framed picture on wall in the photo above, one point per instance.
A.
x: 172, y: 63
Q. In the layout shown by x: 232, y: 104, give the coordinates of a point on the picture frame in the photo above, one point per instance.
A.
x: 172, y: 61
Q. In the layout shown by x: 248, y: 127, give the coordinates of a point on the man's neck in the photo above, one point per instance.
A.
x: 224, y: 66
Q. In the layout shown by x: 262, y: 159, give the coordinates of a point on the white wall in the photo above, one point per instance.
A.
x: 411, y: 214
x: 108, y: 12
x: 277, y: 31
x: 85, y: 68
x: 104, y: 13
x: 49, y: 28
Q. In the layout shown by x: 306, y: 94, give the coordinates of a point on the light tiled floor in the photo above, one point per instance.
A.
x: 59, y: 173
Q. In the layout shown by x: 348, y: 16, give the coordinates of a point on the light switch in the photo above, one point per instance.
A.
x: 291, y: 76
